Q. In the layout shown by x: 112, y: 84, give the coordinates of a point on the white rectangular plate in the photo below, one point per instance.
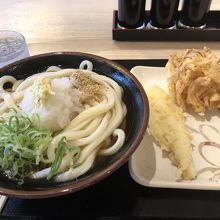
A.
x: 149, y: 166
x: 3, y: 200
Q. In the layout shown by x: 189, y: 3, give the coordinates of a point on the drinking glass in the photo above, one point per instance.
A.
x: 131, y: 13
x: 12, y: 47
x: 194, y: 13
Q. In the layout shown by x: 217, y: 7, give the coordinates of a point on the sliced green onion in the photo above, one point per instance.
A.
x: 60, y: 151
x: 22, y: 141
x: 75, y: 152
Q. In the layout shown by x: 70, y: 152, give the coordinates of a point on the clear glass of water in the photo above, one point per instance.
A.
x: 12, y: 47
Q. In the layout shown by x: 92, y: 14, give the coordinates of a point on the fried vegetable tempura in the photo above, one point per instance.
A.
x: 194, y: 79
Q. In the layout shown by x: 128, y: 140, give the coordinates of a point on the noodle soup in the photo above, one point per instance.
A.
x: 132, y: 97
x: 60, y: 119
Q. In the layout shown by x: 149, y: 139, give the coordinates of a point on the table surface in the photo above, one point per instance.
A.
x: 119, y: 196
x: 86, y: 26
x: 82, y: 25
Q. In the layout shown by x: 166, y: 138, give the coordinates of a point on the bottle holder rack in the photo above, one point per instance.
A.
x: 210, y: 33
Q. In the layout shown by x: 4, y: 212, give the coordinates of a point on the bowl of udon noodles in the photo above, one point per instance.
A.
x: 67, y: 121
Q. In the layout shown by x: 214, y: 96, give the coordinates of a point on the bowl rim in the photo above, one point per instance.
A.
x: 74, y: 187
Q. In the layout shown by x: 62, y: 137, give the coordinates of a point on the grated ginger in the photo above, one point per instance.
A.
x: 167, y: 126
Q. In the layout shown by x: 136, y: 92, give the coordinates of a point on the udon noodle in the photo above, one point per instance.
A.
x: 98, y: 120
